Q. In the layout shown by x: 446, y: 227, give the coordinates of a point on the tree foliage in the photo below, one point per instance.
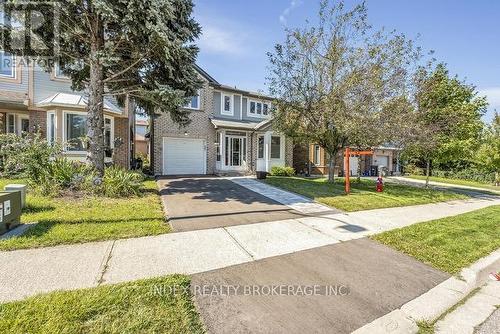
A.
x: 124, y: 48
x: 446, y: 122
x: 488, y: 155
x: 339, y: 82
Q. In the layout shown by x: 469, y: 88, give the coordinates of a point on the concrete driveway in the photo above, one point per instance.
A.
x: 195, y: 203
x: 370, y: 279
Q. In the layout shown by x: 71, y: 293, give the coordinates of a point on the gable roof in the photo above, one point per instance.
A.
x: 204, y: 74
x: 75, y: 101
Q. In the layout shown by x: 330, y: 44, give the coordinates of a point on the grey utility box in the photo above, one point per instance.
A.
x: 18, y: 187
x: 10, y: 210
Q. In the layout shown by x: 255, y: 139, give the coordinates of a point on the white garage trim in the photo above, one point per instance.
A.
x: 184, y: 156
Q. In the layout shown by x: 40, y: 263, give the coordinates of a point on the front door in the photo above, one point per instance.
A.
x: 235, y: 151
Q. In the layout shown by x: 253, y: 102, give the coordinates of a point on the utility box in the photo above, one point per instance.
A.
x: 10, y: 210
x: 18, y: 187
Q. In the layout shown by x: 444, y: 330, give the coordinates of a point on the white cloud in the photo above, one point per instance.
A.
x: 218, y: 40
x: 493, y: 95
x: 286, y: 12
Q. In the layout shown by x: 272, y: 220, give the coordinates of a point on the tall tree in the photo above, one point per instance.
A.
x: 446, y: 123
x: 141, y: 49
x: 334, y: 81
x: 488, y: 155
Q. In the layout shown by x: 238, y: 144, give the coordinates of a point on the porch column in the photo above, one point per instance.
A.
x: 267, y: 150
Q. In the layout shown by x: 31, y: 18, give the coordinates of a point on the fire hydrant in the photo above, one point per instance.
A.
x: 380, y: 184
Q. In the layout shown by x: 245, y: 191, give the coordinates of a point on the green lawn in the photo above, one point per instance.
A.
x: 146, y: 306
x: 449, y: 244
x: 457, y: 182
x: 69, y: 220
x: 363, y: 194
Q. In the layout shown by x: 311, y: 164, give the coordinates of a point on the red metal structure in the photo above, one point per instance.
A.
x: 347, y: 154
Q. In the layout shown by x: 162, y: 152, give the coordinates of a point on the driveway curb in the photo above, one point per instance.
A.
x: 432, y: 304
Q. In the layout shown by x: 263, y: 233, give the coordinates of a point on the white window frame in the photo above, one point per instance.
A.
x: 19, y: 121
x: 51, y: 132
x: 255, y: 114
x: 14, y: 68
x: 231, y: 104
x: 65, y: 130
x: 112, y: 128
x: 271, y: 147
x: 8, y: 123
x: 317, y: 155
x: 56, y: 70
x: 198, y: 96
x: 263, y: 146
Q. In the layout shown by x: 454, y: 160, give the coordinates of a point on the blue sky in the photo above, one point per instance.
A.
x: 237, y: 34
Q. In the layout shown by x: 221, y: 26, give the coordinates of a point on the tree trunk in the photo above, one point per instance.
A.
x: 497, y: 179
x: 95, y: 110
x: 331, y: 167
x: 427, y: 173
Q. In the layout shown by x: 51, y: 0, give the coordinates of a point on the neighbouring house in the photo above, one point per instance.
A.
x: 230, y: 133
x: 141, y: 142
x: 313, y: 160
x: 33, y: 100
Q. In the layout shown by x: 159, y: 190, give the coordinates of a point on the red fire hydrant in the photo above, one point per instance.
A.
x: 380, y: 184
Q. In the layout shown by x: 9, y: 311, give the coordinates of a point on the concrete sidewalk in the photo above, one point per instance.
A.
x: 28, y: 272
x: 443, y: 185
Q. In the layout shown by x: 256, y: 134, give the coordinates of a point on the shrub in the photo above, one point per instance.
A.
x: 282, y: 171
x: 412, y: 169
x: 27, y: 155
x: 118, y: 182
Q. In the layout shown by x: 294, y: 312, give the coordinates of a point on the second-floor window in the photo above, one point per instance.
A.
x: 194, y: 102
x: 227, y: 104
x: 58, y: 73
x: 7, y: 65
x: 258, y: 108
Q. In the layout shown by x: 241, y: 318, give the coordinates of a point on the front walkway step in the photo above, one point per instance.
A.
x: 473, y: 312
x: 298, y: 203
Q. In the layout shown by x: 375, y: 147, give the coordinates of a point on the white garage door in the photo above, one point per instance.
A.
x: 383, y: 160
x: 183, y: 156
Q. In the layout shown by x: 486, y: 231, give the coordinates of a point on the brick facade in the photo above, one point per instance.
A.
x: 38, y: 122
x: 200, y: 128
x: 121, y: 154
x: 2, y: 123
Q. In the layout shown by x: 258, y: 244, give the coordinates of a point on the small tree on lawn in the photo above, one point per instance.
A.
x: 135, y: 48
x: 488, y: 156
x: 334, y: 81
x: 446, y: 123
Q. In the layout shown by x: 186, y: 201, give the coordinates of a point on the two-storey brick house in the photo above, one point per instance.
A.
x: 230, y: 133
x: 32, y: 99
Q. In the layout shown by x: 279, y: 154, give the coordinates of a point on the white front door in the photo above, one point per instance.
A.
x: 353, y: 165
x: 235, y: 152
x: 184, y: 156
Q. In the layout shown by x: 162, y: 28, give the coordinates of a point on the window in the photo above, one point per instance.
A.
x: 11, y: 123
x: 227, y: 105
x: 76, y: 130
x: 265, y: 109
x: 317, y: 155
x: 58, y: 73
x: 217, y: 143
x: 7, y: 65
x: 108, y: 137
x: 258, y: 108
x: 194, y: 103
x: 275, y: 147
x: 25, y: 124
x: 51, y: 127
x: 260, y: 147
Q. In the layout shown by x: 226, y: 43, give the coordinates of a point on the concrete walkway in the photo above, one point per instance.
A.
x: 28, y: 272
x: 442, y: 185
x: 296, y: 202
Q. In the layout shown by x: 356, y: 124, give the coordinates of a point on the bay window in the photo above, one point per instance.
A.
x: 76, y: 130
x: 317, y: 155
x: 11, y: 123
x: 51, y: 127
x: 275, y: 147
